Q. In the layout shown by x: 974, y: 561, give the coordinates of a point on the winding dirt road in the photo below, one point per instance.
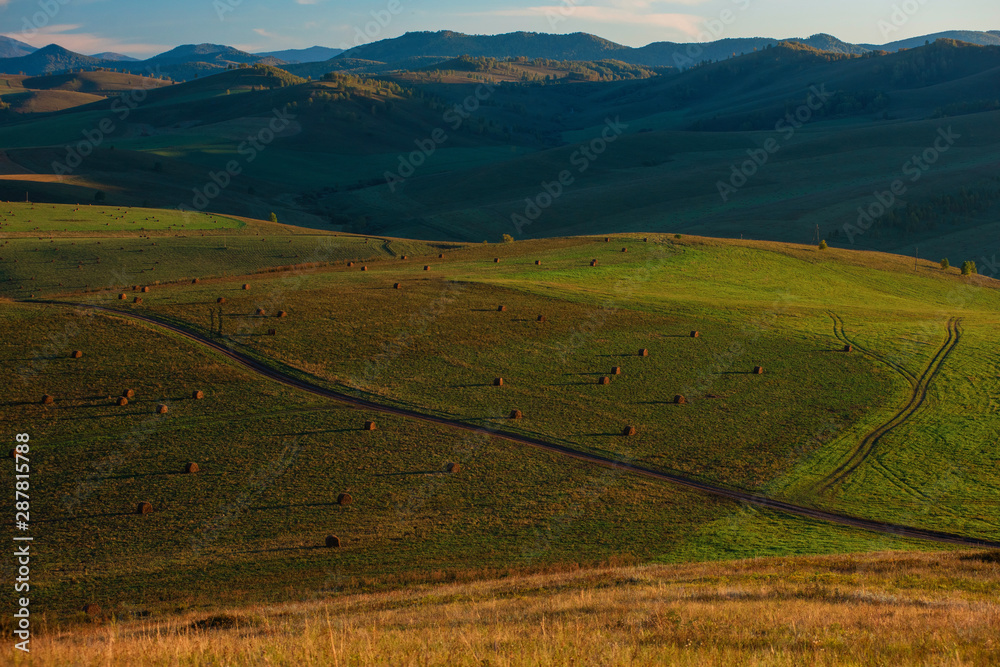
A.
x: 712, y: 489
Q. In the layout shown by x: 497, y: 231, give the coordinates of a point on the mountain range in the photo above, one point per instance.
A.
x: 194, y: 60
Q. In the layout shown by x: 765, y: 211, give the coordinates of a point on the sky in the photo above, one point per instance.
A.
x: 140, y: 28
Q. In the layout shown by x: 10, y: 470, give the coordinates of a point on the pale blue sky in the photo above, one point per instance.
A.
x: 141, y: 28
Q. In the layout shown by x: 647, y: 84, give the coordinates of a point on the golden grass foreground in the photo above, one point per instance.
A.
x: 881, y: 608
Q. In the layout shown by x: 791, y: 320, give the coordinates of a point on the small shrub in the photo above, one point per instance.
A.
x: 823, y: 245
x: 969, y: 268
x: 507, y: 238
x: 945, y: 264
x: 274, y: 217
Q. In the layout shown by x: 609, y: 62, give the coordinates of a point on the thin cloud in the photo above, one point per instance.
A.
x: 630, y: 12
x: 84, y: 42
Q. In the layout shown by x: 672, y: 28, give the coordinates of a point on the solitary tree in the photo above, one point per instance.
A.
x: 945, y: 264
x: 823, y: 245
x: 274, y: 217
x: 507, y: 238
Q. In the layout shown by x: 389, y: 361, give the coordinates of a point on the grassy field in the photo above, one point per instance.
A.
x: 250, y: 526
x: 913, y: 609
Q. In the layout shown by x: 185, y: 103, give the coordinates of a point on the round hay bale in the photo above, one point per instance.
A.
x: 593, y: 262
x: 350, y: 264
x: 441, y: 256
x: 143, y: 508
x: 261, y: 311
x: 617, y: 370
x: 397, y: 286
x: 498, y: 382
x: 246, y: 286
x: 604, y: 380
x: 427, y: 268
x: 454, y: 467
x: 848, y: 348
x: 13, y: 453
x: 538, y: 262
x: 162, y: 409
x: 364, y: 268
x: 48, y: 400
x: 197, y: 395
x: 541, y: 318
x: 91, y: 609
x: 501, y: 309
x: 191, y: 468
x: 643, y: 352
x: 645, y: 239
x: 272, y: 332
x: 403, y: 257
x: 679, y: 400
x: 332, y: 542
x: 123, y: 296
x: 281, y: 313
x: 221, y: 299
x: 137, y: 300
x: 607, y: 240
x: 695, y: 334
x: 624, y: 249
x: 76, y: 354
x: 370, y: 426
x: 122, y: 402
x: 516, y: 414
x: 628, y: 431
x: 344, y: 499
x: 195, y: 281
x: 145, y: 288
x: 128, y: 393
x: 758, y: 370
x: 496, y: 260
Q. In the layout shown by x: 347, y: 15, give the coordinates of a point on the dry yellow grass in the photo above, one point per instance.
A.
x: 885, y: 609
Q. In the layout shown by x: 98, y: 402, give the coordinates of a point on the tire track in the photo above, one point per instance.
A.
x: 263, y: 370
x: 918, y: 396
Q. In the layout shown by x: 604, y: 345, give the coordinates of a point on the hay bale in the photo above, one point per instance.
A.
x: 645, y: 240
x: 344, y: 499
x: 370, y: 426
x: 191, y: 468
x: 272, y: 332
x: 541, y: 318
x: 441, y: 256
x: 538, y: 262
x: 617, y: 370
x: 454, y: 467
x: 679, y: 400
x: 145, y: 288
x: 143, y: 508
x: 162, y: 409
x: 13, y: 453
x: 128, y: 393
x: 758, y: 370
x: 427, y: 268
x: 350, y: 264
x: 332, y: 542
x: 624, y: 249
x: 221, y: 299
x: 604, y: 380
x: 643, y: 352
x: 607, y: 240
x: 848, y: 348
x: 403, y: 257
x: 397, y: 286
x: 628, y: 431
x: 197, y: 395
x: 498, y: 382
x: 593, y: 262
x: 48, y: 400
x: 364, y: 268
x: 122, y: 402
x: 91, y: 609
x: 123, y: 296
x: 695, y: 334
x: 281, y: 313
x: 261, y: 311
x: 501, y: 309
x: 246, y: 286
x: 496, y: 260
x: 76, y: 354
x: 137, y: 300
x: 516, y: 414
x: 195, y: 281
